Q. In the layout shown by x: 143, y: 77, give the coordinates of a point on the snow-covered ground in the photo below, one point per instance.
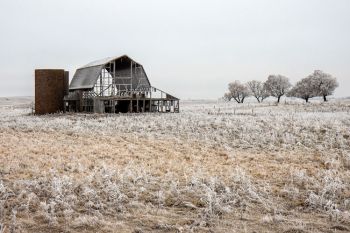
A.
x: 215, y: 166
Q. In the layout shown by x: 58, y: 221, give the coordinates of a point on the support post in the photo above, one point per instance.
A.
x: 113, y: 106
x: 80, y: 101
x: 150, y: 100
x: 101, y: 77
x: 113, y: 80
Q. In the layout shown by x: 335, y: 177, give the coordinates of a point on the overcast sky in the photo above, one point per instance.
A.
x: 190, y: 48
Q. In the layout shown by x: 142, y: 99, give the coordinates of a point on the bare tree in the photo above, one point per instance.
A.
x: 237, y: 91
x: 277, y: 86
x: 325, y: 84
x: 304, y: 89
x: 258, y: 90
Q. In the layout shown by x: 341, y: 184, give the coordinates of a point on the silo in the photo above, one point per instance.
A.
x: 66, y: 82
x: 51, y: 85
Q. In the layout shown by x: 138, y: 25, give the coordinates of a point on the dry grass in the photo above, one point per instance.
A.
x: 228, y: 168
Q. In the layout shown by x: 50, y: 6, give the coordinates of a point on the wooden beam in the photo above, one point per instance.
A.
x: 130, y: 106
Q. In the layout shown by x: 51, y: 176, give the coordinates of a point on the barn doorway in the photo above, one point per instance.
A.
x: 122, y: 106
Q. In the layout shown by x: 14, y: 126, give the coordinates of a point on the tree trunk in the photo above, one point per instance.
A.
x: 257, y: 99
x: 325, y: 98
x: 238, y: 99
x: 307, y: 100
x: 278, y: 99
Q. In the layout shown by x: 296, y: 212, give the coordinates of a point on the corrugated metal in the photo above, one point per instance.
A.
x: 86, y: 76
x: 103, y: 61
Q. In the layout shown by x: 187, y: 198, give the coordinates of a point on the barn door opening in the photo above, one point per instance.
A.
x: 122, y: 106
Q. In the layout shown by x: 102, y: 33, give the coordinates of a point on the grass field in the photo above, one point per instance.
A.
x: 214, y: 167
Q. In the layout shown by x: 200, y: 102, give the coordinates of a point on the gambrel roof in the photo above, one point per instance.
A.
x: 86, y: 76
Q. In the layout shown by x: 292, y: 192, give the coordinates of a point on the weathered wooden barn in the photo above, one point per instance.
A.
x: 116, y: 85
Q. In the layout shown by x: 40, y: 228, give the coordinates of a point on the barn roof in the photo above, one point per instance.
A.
x: 86, y: 76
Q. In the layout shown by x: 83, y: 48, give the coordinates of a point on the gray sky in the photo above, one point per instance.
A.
x: 190, y: 48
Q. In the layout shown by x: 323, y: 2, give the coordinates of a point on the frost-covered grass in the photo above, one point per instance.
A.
x: 264, y: 126
x: 214, y: 167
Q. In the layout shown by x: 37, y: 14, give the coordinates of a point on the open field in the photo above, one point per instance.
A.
x: 214, y: 167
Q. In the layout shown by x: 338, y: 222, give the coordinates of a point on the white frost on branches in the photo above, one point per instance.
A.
x: 277, y: 86
x: 237, y: 91
x: 258, y: 90
x: 316, y: 84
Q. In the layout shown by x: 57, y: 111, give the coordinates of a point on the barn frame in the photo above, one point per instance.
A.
x: 116, y: 85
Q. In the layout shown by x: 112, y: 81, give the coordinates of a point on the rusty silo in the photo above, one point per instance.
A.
x: 51, y: 85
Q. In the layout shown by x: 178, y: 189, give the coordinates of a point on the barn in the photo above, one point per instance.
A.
x: 116, y: 85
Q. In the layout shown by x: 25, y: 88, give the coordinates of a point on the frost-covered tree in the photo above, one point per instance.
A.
x: 304, y: 89
x: 325, y: 84
x: 258, y: 90
x: 316, y: 84
x: 277, y: 86
x: 237, y: 91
